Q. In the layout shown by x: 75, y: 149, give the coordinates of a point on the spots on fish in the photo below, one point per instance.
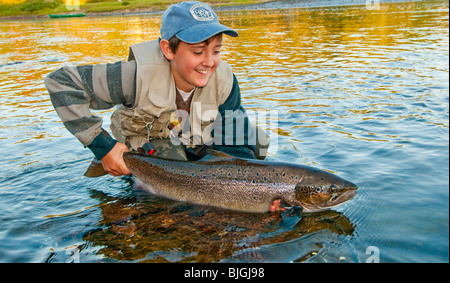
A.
x: 232, y: 172
x: 307, y: 191
x: 244, y: 185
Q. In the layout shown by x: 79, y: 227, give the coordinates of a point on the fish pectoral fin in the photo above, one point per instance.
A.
x: 291, y: 217
x: 95, y: 169
x: 215, y: 155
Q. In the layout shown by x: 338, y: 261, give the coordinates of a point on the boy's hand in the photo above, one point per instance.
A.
x: 113, y: 161
x: 276, y: 206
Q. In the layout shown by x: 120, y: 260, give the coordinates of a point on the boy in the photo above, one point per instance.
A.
x: 170, y: 91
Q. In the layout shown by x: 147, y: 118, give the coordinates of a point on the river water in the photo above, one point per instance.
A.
x: 360, y: 91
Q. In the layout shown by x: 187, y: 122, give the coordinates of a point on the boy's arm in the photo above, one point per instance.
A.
x: 74, y: 90
x: 241, y: 142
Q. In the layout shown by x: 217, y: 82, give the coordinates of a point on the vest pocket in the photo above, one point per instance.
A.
x: 156, y: 104
x: 128, y: 122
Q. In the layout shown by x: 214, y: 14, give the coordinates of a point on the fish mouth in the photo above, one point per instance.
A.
x: 335, y: 200
x: 339, y: 199
x: 345, y: 196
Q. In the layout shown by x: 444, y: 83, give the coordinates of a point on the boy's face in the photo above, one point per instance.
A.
x: 193, y: 64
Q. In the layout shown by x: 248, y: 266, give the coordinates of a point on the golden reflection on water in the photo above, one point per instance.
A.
x: 294, y: 42
x: 281, y: 56
x: 294, y: 50
x: 345, y: 54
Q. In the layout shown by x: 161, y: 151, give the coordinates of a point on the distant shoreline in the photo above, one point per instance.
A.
x: 284, y: 4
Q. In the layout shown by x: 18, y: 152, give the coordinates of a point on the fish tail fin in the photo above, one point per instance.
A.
x: 95, y: 169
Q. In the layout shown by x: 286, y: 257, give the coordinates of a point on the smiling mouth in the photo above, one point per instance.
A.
x: 201, y: 72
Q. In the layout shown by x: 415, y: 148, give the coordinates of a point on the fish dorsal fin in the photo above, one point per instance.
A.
x: 215, y: 155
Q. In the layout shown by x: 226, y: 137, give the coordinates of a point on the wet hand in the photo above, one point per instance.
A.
x: 276, y: 206
x: 113, y: 161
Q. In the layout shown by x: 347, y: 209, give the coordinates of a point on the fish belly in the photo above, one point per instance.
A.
x: 218, y: 193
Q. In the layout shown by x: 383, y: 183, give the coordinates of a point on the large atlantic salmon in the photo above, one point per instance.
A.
x: 240, y: 184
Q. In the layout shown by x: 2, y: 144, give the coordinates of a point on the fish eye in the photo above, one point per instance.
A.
x: 333, y: 188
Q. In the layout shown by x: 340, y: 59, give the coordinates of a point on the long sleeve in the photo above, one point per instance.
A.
x: 74, y: 90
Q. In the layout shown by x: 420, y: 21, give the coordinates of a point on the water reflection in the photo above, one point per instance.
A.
x: 337, y: 67
x: 146, y: 228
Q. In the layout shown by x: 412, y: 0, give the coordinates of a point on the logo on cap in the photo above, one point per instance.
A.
x: 201, y: 12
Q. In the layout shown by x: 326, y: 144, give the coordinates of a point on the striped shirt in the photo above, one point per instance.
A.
x: 74, y: 90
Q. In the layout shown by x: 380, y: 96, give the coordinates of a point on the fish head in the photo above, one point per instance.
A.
x: 322, y: 191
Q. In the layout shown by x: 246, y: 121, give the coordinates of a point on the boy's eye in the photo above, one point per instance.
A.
x: 199, y: 52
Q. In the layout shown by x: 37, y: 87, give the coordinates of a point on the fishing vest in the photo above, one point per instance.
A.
x: 155, y: 101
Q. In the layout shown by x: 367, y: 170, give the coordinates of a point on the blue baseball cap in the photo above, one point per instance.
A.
x: 192, y: 22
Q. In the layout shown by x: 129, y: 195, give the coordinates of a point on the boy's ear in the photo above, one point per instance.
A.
x: 167, y: 51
